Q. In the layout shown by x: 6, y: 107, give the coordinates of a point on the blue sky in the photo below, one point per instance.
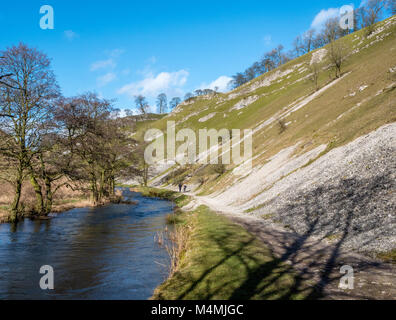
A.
x: 121, y: 48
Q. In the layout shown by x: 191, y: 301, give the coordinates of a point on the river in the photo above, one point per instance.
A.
x: 96, y: 253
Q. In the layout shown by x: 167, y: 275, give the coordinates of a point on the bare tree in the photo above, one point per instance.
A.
x: 198, y: 92
x: 320, y: 40
x: 337, y: 54
x: 27, y: 100
x: 49, y: 169
x: 314, y: 68
x: 141, y: 104
x: 297, y: 46
x: 279, y: 55
x: 174, y: 102
x: 307, y: 40
x: 83, y: 120
x: 331, y: 30
x: 162, y: 103
x: 3, y: 83
x: 142, y: 167
x: 188, y: 96
x: 370, y: 14
x: 392, y: 6
x: 238, y: 80
x: 129, y: 112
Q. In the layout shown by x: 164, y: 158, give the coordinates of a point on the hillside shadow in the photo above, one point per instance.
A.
x: 338, y: 212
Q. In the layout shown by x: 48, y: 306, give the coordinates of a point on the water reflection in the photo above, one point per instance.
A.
x: 100, y: 253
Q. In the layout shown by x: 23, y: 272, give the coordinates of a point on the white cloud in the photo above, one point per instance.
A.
x: 124, y: 112
x: 106, y: 79
x: 102, y: 64
x: 109, y: 63
x: 221, y: 83
x: 323, y: 16
x: 70, y: 35
x: 170, y: 83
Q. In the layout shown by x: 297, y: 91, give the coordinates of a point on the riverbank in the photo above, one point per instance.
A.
x: 179, y: 199
x: 223, y: 261
x: 218, y: 259
x: 313, y: 265
x: 61, y: 206
x: 97, y: 253
x: 64, y: 205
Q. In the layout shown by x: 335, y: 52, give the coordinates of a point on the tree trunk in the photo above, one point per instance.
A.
x: 48, y: 196
x: 112, y: 185
x: 17, y: 197
x: 38, y: 192
x: 94, y: 191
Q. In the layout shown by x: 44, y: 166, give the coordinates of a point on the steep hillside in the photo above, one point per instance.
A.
x: 323, y: 160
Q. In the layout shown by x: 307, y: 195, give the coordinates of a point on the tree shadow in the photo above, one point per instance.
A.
x: 342, y: 212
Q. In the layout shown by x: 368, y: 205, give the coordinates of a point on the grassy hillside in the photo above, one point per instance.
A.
x: 223, y: 261
x: 362, y: 100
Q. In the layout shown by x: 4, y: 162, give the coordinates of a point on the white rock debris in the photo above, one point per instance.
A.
x: 208, y: 117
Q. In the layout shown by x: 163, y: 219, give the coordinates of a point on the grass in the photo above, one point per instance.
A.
x: 223, y: 261
x: 267, y: 216
x: 389, y: 256
x: 69, y: 201
x: 179, y: 199
x: 331, y: 119
x: 157, y: 193
x: 333, y: 237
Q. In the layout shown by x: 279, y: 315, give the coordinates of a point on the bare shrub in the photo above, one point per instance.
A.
x: 282, y: 126
x: 177, y: 244
x: 337, y: 55
x: 219, y: 168
x: 179, y: 237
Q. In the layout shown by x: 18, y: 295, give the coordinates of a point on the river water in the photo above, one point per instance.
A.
x: 96, y: 253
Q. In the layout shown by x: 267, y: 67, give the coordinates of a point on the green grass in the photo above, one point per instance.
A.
x: 331, y: 119
x: 68, y: 201
x: 388, y: 256
x: 223, y: 261
x: 179, y: 199
x: 157, y: 193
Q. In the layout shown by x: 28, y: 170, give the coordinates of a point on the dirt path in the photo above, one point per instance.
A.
x: 316, y: 261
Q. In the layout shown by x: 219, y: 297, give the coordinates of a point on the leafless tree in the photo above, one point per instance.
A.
x: 141, y: 104
x: 392, y: 6
x: 174, y: 102
x: 314, y: 68
x: 27, y: 100
x: 84, y: 121
x: 162, y: 103
x: 337, y: 54
x: 3, y: 83
x: 297, y: 46
x: 307, y: 40
x: 370, y: 14
x: 188, y: 96
x: 331, y: 30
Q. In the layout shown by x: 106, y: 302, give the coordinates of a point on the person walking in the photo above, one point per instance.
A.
x: 185, y: 188
x: 180, y: 187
